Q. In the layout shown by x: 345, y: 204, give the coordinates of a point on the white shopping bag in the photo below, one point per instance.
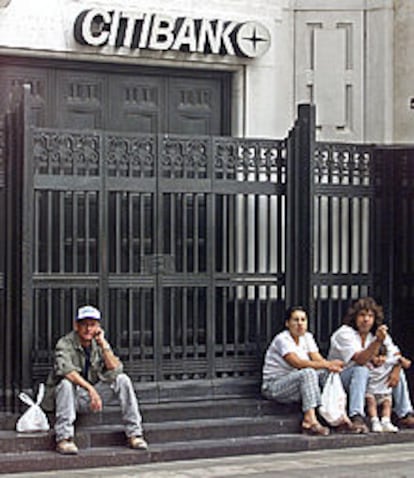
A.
x: 34, y: 418
x: 333, y: 407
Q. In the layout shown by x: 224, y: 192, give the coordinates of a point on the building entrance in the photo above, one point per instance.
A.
x: 160, y: 231
x: 193, y: 245
x: 128, y: 99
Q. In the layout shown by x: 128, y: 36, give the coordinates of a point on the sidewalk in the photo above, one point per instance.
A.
x: 386, y: 461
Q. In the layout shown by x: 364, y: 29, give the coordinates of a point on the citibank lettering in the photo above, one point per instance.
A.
x: 115, y: 28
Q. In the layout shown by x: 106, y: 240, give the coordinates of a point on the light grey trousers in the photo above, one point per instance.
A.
x: 71, y: 399
x: 303, y: 386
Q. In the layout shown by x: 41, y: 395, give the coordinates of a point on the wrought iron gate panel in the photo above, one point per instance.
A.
x: 344, y: 234
x: 129, y: 190
x: 250, y: 246
x: 131, y: 315
x: 184, y: 346
x: 184, y: 210
x: 135, y: 223
x: 405, y: 210
x: 66, y: 248
x: 401, y: 262
x: 3, y: 252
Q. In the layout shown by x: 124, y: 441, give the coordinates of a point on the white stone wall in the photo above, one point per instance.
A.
x: 404, y: 71
x: 350, y: 57
x: 343, y: 63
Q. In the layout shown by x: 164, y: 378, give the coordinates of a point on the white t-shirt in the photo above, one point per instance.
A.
x: 275, y: 365
x: 377, y: 383
x: 346, y: 341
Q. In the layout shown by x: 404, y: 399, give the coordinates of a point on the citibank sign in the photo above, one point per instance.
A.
x: 99, y: 28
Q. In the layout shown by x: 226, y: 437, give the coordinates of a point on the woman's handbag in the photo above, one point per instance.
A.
x: 34, y: 419
x: 333, y: 406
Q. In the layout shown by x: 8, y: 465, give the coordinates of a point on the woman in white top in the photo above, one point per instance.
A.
x: 292, y: 368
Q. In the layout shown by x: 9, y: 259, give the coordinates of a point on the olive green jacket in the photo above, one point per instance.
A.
x: 70, y: 356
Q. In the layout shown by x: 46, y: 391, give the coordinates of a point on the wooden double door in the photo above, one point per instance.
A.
x: 121, y: 98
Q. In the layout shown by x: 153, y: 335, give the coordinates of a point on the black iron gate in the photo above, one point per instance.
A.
x: 161, y: 232
x: 192, y: 247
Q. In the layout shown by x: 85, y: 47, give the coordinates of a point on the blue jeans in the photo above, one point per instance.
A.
x: 355, y: 381
x: 401, y: 397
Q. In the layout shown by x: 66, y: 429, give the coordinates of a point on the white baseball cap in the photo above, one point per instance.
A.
x: 88, y: 312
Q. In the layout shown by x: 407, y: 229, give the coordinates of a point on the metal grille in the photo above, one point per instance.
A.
x: 193, y: 246
x: 401, y: 261
x: 3, y: 252
x: 250, y: 247
x: 162, y: 233
x: 343, y: 231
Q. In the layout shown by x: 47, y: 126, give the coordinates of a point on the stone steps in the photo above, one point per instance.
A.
x: 178, y: 431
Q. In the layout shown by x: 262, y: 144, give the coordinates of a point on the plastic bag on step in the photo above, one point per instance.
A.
x: 333, y: 406
x: 34, y: 418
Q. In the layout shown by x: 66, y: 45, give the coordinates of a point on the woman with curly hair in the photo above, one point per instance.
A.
x: 356, y: 342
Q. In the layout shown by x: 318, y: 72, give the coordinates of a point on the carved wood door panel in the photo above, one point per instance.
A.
x: 81, y: 100
x: 194, y: 106
x: 135, y: 103
x: 142, y: 103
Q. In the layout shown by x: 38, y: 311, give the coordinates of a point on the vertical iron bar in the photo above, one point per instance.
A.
x: 160, y: 202
x: 196, y: 234
x: 102, y: 235
x: 184, y: 231
x: 87, y: 261
x: 224, y: 230
x: 184, y: 321
x: 36, y: 231
x: 62, y: 219
x: 118, y: 232
x: 131, y: 239
x: 212, y: 290
x: 26, y: 310
x: 232, y: 227
x: 130, y: 311
x: 142, y: 249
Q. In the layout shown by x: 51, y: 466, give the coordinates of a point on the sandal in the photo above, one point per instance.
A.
x: 348, y: 427
x: 315, y: 430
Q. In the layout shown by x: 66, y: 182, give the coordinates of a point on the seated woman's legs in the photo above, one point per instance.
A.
x: 298, y: 386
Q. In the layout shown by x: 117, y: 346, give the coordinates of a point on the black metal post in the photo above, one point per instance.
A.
x: 299, y: 248
x: 384, y: 233
x: 26, y: 235
x: 12, y: 322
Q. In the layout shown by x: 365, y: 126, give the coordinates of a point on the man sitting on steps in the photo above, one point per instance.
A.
x: 356, y: 342
x: 85, y: 376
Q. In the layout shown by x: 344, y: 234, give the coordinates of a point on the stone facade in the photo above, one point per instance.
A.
x: 350, y: 57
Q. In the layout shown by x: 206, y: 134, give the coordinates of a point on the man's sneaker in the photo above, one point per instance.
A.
x: 359, y: 423
x: 137, y: 443
x: 376, y: 425
x: 67, y: 447
x: 407, y: 421
x: 387, y: 426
